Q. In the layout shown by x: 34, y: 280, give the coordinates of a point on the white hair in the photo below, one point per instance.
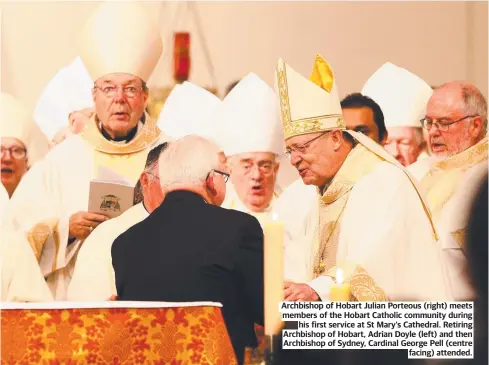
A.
x: 188, y: 160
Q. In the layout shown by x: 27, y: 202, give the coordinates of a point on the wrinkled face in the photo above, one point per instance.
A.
x: 404, y: 143
x: 14, y: 163
x: 253, y: 176
x: 362, y: 120
x: 444, y: 107
x: 119, y: 102
x: 314, y: 156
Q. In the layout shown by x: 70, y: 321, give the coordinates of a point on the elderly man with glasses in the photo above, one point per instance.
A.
x: 190, y: 249
x: 366, y: 205
x: 250, y: 135
x: 23, y: 143
x: 456, y: 122
x: 120, y: 47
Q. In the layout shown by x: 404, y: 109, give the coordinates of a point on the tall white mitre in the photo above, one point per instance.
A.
x: 132, y: 45
x: 249, y: 121
x: 188, y: 110
x: 318, y: 105
x: 401, y: 95
x: 17, y: 122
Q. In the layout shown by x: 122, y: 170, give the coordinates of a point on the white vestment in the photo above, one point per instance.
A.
x: 451, y: 202
x: 58, y: 187
x: 233, y: 201
x: 93, y: 278
x: 21, y: 280
x: 298, y: 198
x: 377, y: 235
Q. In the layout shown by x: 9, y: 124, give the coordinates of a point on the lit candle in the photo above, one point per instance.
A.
x: 340, y: 292
x: 273, y: 274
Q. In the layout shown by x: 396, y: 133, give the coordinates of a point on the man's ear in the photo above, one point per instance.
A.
x: 144, y: 179
x: 476, y: 127
x: 93, y: 94
x: 210, y: 185
x: 337, y: 139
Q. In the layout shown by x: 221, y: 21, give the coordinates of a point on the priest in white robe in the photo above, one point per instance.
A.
x: 120, y: 47
x: 67, y: 91
x: 251, y: 137
x: 403, y: 97
x: 93, y: 276
x: 23, y: 143
x: 366, y: 206
x: 456, y: 122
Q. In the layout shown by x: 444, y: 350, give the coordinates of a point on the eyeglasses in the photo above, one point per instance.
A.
x: 427, y: 123
x: 18, y: 153
x: 111, y: 90
x: 224, y: 175
x: 302, y: 147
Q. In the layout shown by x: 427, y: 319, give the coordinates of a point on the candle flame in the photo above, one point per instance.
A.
x: 274, y: 216
x: 339, y: 276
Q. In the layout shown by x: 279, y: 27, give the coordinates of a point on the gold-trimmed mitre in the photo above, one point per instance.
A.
x: 308, y: 106
x: 120, y: 37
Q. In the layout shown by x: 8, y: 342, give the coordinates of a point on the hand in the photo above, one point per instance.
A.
x: 78, y: 119
x: 112, y: 298
x: 299, y: 292
x: 83, y: 223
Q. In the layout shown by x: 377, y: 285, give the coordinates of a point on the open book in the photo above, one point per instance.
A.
x: 110, y: 193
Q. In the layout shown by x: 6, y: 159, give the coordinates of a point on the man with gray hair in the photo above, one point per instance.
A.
x: 93, y: 276
x: 190, y: 249
x: 456, y: 122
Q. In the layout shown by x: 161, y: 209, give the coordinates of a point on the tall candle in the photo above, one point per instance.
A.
x: 339, y: 291
x: 273, y: 273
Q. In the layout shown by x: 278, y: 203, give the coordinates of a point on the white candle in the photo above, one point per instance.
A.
x: 273, y: 273
x: 339, y: 291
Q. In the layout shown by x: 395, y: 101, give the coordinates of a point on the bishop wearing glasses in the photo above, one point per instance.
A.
x: 120, y: 48
x: 250, y: 135
x: 369, y: 218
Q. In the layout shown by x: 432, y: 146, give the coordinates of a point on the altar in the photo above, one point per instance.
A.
x: 122, y: 333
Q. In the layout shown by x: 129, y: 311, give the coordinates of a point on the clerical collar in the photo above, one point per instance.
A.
x: 132, y: 133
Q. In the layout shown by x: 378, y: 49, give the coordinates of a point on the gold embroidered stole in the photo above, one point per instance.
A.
x: 127, y: 159
x: 332, y: 203
x: 444, y: 176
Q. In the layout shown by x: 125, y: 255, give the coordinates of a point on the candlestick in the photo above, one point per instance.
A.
x: 273, y: 274
x: 339, y: 291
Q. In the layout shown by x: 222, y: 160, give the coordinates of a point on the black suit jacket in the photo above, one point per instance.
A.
x: 188, y: 250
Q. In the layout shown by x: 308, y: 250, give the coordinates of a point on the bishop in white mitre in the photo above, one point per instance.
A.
x: 251, y: 137
x: 120, y: 47
x: 185, y: 112
x: 69, y: 90
x: 364, y: 213
x: 403, y: 97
